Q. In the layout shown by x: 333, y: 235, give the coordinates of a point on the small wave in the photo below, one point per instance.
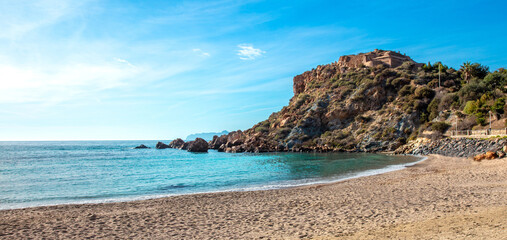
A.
x: 278, y: 185
x: 173, y: 186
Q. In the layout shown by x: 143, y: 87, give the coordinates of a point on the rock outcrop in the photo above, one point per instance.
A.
x: 186, y: 145
x: 198, y: 145
x: 142, y: 146
x: 161, y: 145
x: 176, y: 143
x: 373, y: 102
x: 341, y: 107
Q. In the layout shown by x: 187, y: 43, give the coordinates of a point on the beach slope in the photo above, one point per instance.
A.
x: 442, y: 197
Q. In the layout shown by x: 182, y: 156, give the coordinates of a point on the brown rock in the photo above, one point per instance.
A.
x: 161, y: 145
x: 186, y: 145
x: 479, y: 157
x: 177, y: 143
x: 218, y: 141
x: 198, y: 145
x: 141, y: 146
x: 300, y: 82
x: 491, y: 155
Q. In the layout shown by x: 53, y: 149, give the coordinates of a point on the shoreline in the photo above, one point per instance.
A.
x: 267, y: 187
x: 379, y: 206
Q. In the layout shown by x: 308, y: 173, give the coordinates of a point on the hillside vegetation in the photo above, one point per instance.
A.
x: 378, y: 108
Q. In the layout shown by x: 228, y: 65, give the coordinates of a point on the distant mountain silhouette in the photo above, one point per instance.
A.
x: 206, y: 136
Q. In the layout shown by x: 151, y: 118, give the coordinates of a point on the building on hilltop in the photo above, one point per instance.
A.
x: 375, y: 58
x: 378, y: 57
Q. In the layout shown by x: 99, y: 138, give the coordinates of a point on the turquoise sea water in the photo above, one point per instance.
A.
x: 48, y: 173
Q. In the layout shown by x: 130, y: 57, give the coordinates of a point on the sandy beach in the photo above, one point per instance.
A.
x: 442, y: 197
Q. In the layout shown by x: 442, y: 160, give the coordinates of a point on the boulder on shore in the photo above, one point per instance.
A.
x: 142, y: 146
x: 177, y: 143
x: 161, y: 145
x: 479, y: 157
x: 488, y: 155
x: 198, y: 145
x: 491, y: 155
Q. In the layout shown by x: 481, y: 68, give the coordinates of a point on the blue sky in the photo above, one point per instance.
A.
x: 90, y: 69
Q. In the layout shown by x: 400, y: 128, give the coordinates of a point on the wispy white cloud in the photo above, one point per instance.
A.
x: 20, y: 17
x: 22, y: 84
x: 248, y: 52
x: 201, y: 52
x: 125, y: 61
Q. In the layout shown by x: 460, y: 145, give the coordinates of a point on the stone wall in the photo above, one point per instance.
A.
x: 452, y: 147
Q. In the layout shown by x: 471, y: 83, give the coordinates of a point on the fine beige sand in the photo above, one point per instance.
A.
x: 440, y: 198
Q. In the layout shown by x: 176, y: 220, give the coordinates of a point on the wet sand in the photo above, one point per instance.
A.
x: 442, y: 197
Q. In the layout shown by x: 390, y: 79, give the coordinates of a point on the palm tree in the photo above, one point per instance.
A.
x: 439, y: 70
x: 466, y: 68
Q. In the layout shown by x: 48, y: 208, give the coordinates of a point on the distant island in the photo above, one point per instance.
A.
x: 208, y: 136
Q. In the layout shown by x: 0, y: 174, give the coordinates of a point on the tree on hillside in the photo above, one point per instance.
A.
x: 479, y: 71
x: 496, y: 80
x: 476, y: 70
x: 466, y: 69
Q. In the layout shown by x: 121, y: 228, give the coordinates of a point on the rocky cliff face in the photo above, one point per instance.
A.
x: 367, y: 102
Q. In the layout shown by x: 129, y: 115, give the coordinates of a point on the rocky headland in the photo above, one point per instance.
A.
x: 376, y: 102
x: 379, y: 101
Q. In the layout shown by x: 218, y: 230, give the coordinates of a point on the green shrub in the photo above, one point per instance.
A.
x: 342, y: 134
x: 433, y: 83
x: 261, y: 129
x: 424, y: 92
x: 377, y: 136
x: 482, y: 121
x: 498, y: 106
x: 470, y: 107
x: 448, y: 101
x: 413, y: 136
x: 479, y: 71
x: 472, y: 91
x: 388, y: 133
x: 496, y: 80
x: 419, y: 105
x: 440, y: 126
x: 326, y: 134
x: 433, y: 108
x: 398, y: 82
x: 423, y: 118
x: 282, y: 132
x: 301, y: 99
x: 407, y: 65
x: 406, y: 90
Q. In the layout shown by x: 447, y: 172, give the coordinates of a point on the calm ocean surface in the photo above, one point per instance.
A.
x: 48, y: 173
